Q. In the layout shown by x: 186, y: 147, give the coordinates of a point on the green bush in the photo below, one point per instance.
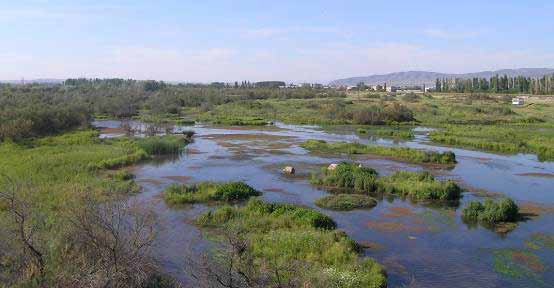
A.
x: 345, y: 202
x: 207, y: 192
x: 491, y: 212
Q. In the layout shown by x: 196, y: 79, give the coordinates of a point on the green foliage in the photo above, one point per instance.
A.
x: 387, y: 132
x: 162, y: 145
x: 345, y: 202
x: 400, y: 153
x: 361, y: 180
x: 497, y: 138
x: 298, y: 242
x: 491, y: 212
x: 207, y: 192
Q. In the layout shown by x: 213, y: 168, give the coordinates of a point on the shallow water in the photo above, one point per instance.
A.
x: 420, y: 246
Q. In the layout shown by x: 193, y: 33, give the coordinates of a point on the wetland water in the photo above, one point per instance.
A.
x: 420, y: 246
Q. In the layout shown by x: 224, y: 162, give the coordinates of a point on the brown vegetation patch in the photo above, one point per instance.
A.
x: 394, y: 227
x: 529, y: 261
x: 182, y: 179
x: 396, y: 212
x: 537, y: 174
x: 531, y: 209
x: 217, y: 157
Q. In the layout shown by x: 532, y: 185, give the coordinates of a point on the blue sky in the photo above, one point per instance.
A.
x: 204, y: 41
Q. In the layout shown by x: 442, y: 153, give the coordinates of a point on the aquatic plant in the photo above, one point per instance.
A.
x: 400, y: 153
x: 295, y: 244
x: 491, y: 212
x: 162, y: 145
x: 363, y: 180
x: 208, y: 191
x: 345, y: 202
x: 518, y: 264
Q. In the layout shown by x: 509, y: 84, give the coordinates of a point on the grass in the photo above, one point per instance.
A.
x: 162, y: 145
x: 346, y: 202
x: 499, y: 138
x: 399, y: 153
x: 491, y: 212
x: 362, y: 180
x: 208, y: 192
x: 388, y: 132
x: 300, y: 243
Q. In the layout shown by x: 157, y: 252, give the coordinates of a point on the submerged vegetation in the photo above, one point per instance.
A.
x: 345, y: 202
x: 208, y: 192
x: 286, y: 245
x: 400, y: 153
x: 363, y: 180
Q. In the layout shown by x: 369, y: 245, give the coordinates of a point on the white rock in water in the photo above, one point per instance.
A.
x: 332, y: 166
x: 289, y: 170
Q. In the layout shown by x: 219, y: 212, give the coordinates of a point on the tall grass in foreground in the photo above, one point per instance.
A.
x: 284, y: 243
x: 400, y: 153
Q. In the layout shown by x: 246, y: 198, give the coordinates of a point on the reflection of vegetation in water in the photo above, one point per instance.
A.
x: 400, y: 153
x: 518, y: 264
x: 284, y: 243
x: 346, y: 202
x: 207, y: 192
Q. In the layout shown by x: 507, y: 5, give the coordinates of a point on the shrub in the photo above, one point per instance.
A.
x: 345, y: 202
x: 491, y: 212
x: 207, y: 192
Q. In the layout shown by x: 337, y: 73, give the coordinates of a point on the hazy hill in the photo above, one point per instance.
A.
x: 428, y: 78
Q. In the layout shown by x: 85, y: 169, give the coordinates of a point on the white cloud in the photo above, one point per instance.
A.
x: 267, y: 32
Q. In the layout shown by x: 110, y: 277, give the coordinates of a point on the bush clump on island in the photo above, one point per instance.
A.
x: 284, y: 243
x: 346, y: 202
x: 209, y: 192
x: 400, y: 153
x: 491, y: 212
x: 364, y: 180
x: 162, y: 145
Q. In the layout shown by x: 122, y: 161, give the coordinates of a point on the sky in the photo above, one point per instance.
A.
x: 293, y: 41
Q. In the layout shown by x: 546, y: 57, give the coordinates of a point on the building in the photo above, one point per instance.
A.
x: 518, y: 101
x: 391, y: 89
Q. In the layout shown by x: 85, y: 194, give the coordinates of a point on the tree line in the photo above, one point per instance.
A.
x: 497, y: 84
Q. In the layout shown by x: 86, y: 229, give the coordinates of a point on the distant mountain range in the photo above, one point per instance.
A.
x: 39, y: 81
x: 429, y: 78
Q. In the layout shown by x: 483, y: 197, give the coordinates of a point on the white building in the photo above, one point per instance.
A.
x: 518, y: 101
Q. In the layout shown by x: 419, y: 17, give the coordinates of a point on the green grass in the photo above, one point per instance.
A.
x: 284, y: 236
x: 398, y: 153
x: 362, y: 180
x: 491, y: 212
x: 162, y: 145
x: 346, y: 202
x: 208, y: 192
x: 499, y: 138
x: 387, y: 132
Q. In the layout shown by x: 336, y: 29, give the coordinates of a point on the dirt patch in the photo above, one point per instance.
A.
x: 182, y: 179
x: 536, y: 174
x: 395, y: 227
